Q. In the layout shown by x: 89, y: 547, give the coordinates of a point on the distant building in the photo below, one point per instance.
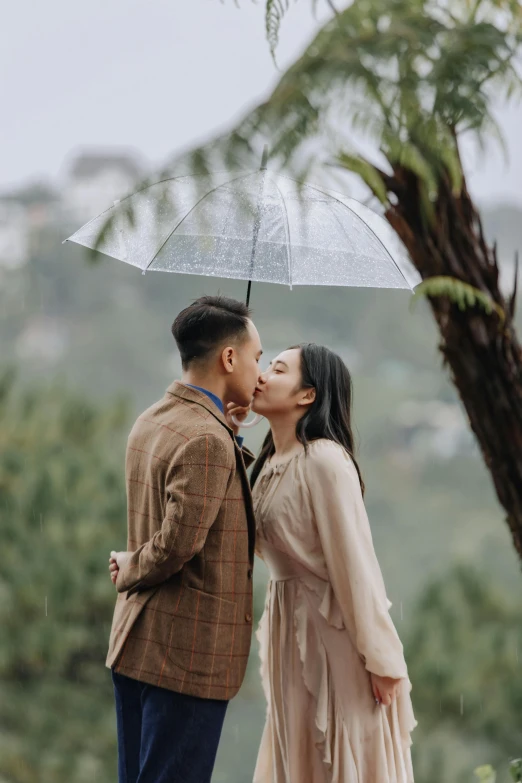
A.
x: 24, y: 214
x: 42, y: 205
x: 14, y: 234
x: 31, y: 216
x: 95, y: 181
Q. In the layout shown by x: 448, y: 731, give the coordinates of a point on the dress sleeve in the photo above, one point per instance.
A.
x: 353, y: 569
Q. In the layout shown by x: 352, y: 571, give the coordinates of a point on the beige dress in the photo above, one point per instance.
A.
x: 326, y: 625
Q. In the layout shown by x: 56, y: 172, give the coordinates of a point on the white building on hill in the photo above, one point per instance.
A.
x: 14, y: 234
x: 95, y: 180
x: 24, y: 214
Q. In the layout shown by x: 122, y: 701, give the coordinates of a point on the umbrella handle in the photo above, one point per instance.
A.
x: 246, y: 425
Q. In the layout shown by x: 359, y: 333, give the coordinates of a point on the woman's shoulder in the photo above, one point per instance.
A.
x: 326, y: 453
x: 325, y: 447
x: 329, y: 467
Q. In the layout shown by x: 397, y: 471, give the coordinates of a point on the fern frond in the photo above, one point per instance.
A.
x: 459, y: 293
x: 93, y: 253
x: 515, y: 768
x: 274, y: 12
x: 367, y: 173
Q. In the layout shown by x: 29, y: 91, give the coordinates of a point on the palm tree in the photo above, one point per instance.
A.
x: 415, y: 76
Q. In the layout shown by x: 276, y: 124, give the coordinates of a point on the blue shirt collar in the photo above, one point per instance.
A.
x: 219, y: 404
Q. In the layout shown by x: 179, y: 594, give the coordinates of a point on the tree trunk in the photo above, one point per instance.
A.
x: 482, y: 351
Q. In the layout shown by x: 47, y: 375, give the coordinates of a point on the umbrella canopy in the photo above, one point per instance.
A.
x: 257, y: 226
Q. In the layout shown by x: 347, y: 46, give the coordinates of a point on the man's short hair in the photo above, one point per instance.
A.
x: 208, y: 324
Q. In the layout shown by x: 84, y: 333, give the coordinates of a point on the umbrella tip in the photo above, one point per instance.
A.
x: 264, y: 159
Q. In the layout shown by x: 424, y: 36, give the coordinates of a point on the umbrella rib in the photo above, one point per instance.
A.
x: 228, y: 182
x: 135, y: 193
x: 367, y: 226
x: 287, y: 231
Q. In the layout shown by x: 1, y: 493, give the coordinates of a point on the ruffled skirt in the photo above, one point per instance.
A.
x: 322, y: 724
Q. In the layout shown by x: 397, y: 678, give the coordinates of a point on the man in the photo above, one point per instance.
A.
x: 182, y: 625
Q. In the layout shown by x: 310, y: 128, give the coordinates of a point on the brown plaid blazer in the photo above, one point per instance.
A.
x: 183, y: 618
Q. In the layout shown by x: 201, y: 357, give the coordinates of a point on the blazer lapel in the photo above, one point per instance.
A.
x: 249, y: 503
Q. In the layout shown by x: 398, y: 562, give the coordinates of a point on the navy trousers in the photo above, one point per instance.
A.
x: 163, y: 736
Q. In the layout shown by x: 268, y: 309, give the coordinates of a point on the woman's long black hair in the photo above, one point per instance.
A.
x: 329, y: 416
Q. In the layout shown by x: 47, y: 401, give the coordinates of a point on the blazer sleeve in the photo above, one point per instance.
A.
x: 194, y: 497
x: 353, y: 569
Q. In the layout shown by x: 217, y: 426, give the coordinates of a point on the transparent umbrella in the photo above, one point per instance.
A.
x: 255, y: 226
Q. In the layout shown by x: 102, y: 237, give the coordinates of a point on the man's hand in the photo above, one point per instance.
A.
x: 239, y: 412
x: 116, y: 561
x: 384, y: 689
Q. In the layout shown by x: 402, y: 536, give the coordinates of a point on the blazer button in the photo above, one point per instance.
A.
x: 249, y: 573
x: 248, y: 618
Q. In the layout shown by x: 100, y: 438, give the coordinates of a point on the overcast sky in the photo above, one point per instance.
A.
x: 155, y: 76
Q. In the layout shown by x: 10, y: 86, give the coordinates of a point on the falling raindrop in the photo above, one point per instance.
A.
x: 46, y: 606
x: 516, y: 651
x: 461, y: 704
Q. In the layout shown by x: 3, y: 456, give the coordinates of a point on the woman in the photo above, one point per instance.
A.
x: 333, y: 669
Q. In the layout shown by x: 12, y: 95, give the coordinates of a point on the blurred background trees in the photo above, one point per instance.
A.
x: 103, y: 334
x: 62, y: 502
x: 84, y: 348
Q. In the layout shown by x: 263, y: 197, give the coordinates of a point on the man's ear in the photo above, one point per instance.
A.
x: 228, y: 358
x: 308, y: 398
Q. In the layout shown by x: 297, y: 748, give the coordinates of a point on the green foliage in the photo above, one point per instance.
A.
x: 487, y: 774
x: 516, y: 770
x: 62, y: 509
x: 274, y: 12
x: 463, y: 651
x: 459, y: 293
x: 412, y: 75
x: 368, y: 173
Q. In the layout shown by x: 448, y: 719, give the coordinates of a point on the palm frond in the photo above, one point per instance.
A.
x: 462, y: 294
